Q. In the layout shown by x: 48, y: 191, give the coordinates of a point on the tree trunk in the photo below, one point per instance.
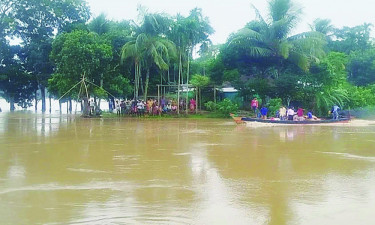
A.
x: 50, y: 104
x: 86, y: 107
x: 169, y: 79
x: 200, y: 99
x: 101, y: 85
x: 36, y: 100
x: 178, y: 86
x: 60, y: 106
x: 11, y: 104
x: 43, y: 93
x: 70, y: 105
x: 196, y: 100
x: 215, y: 94
x: 135, y: 79
x: 139, y: 80
x: 187, y: 83
x: 146, y: 83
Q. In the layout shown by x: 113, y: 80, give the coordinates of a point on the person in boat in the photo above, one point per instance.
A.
x: 254, y: 105
x: 263, y: 112
x: 290, y: 113
x: 309, y: 115
x: 335, y: 112
x: 282, y: 113
x: 300, y: 114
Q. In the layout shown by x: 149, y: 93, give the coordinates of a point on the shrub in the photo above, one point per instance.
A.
x: 274, y: 105
x: 211, y: 106
x: 224, y: 107
x: 227, y: 106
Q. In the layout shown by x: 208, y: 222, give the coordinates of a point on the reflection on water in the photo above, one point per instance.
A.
x: 69, y: 170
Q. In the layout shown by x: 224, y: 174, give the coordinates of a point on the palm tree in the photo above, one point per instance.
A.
x: 272, y: 40
x: 132, y: 49
x: 157, y: 51
x: 147, y: 51
x: 188, y: 32
x: 100, y: 24
x: 323, y: 26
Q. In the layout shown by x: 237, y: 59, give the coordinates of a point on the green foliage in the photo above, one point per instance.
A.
x: 210, y: 106
x: 227, y: 106
x: 224, y: 107
x: 360, y: 97
x: 199, y: 80
x: 272, y: 42
x: 349, y: 39
x: 81, y: 52
x: 274, y: 105
x: 327, y: 98
x: 231, y: 75
x: 361, y: 67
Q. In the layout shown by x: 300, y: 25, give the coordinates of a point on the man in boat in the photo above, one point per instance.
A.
x: 290, y: 113
x: 263, y: 112
x: 335, y: 112
x: 282, y: 113
x: 254, y: 105
x: 300, y: 114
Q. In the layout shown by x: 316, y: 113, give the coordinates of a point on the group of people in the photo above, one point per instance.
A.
x: 289, y: 114
x: 150, y: 107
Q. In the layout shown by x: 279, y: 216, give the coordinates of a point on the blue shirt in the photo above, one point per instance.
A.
x: 264, y: 111
x: 309, y: 115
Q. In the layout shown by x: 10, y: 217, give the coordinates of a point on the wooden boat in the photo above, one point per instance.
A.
x: 239, y: 120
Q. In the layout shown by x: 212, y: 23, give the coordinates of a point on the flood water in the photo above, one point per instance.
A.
x: 68, y: 170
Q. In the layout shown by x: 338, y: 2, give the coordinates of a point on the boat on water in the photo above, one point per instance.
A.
x: 241, y: 119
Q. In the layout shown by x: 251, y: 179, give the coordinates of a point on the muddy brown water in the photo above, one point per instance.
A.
x: 68, y: 170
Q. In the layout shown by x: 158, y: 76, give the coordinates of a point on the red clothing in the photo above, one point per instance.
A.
x: 254, y: 103
x: 192, y: 104
x: 300, y: 112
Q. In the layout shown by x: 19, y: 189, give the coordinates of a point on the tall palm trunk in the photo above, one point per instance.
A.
x: 179, y: 81
x: 101, y: 85
x: 146, y: 83
x: 11, y: 104
x: 36, y: 100
x: 196, y: 100
x: 50, y: 102
x: 43, y: 95
x: 187, y: 82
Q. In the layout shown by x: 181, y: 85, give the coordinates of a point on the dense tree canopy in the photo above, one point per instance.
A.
x: 266, y: 58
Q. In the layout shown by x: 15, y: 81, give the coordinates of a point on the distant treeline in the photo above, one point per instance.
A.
x: 315, y: 69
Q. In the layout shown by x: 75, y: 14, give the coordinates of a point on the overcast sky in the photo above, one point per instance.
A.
x: 227, y: 16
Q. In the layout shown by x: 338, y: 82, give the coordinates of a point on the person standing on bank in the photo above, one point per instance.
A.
x: 118, y: 108
x: 254, y: 105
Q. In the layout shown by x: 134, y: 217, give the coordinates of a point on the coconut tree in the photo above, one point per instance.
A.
x: 187, y: 33
x: 147, y: 51
x: 272, y: 40
x: 157, y: 51
x: 133, y: 50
